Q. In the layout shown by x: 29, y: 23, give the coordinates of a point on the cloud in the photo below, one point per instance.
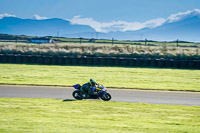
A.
x: 183, y: 15
x: 37, y: 17
x: 6, y: 15
x: 121, y: 26
x: 154, y: 22
x: 86, y: 21
x: 132, y: 26
x: 116, y: 25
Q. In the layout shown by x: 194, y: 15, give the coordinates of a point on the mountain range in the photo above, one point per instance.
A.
x: 187, y: 29
x: 47, y: 27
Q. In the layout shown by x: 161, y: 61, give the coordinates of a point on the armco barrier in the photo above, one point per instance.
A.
x: 40, y: 59
x: 61, y: 60
x: 191, y: 64
x: 160, y: 63
x: 124, y: 62
x: 33, y: 59
x: 89, y: 61
x: 102, y: 61
x: 67, y: 60
x: 153, y: 63
x: 5, y: 58
x: 18, y: 59
x: 117, y: 61
x: 197, y: 64
x: 146, y: 62
x: 96, y: 61
x: 54, y: 60
x: 81, y: 61
x: 47, y: 60
x: 11, y: 58
x: 26, y: 59
x: 131, y: 62
x: 168, y: 63
x: 139, y: 62
x: 176, y: 63
x: 110, y: 61
x: 183, y: 64
x: 74, y: 60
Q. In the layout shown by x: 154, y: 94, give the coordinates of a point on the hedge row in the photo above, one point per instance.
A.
x: 100, y: 61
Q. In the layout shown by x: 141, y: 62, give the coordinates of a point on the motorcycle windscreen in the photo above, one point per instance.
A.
x: 77, y: 86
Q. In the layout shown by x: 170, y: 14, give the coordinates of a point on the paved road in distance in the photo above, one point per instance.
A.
x: 120, y: 95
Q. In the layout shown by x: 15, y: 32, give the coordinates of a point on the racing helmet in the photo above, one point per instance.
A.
x: 92, y: 82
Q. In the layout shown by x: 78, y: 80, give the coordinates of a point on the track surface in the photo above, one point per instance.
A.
x: 121, y: 95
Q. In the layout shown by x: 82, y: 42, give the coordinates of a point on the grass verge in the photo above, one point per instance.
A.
x: 18, y: 115
x: 96, y: 49
x: 115, y: 77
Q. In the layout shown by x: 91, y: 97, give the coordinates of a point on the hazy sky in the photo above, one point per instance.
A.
x: 102, y: 13
x: 100, y: 10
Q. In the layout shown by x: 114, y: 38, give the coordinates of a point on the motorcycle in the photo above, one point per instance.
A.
x: 101, y: 92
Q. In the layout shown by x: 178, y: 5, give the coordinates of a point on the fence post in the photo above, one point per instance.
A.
x: 177, y: 43
x: 112, y: 41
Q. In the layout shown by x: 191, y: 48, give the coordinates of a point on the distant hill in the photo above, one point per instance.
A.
x: 47, y: 27
x: 186, y: 29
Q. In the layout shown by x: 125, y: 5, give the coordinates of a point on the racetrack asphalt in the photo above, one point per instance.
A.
x: 120, y: 95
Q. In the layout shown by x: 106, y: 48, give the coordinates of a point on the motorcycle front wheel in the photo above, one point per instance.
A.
x: 77, y: 95
x: 106, y: 97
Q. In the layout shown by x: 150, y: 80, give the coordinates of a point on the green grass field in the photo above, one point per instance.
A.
x: 18, y: 115
x: 128, y: 42
x: 115, y: 77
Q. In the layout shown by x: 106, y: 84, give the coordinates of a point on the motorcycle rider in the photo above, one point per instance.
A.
x: 89, y: 88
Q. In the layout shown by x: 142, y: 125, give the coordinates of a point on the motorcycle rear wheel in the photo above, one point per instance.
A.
x: 76, y: 94
x: 106, y: 97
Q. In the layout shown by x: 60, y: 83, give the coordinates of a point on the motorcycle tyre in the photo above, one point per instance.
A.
x: 74, y: 95
x: 106, y: 99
